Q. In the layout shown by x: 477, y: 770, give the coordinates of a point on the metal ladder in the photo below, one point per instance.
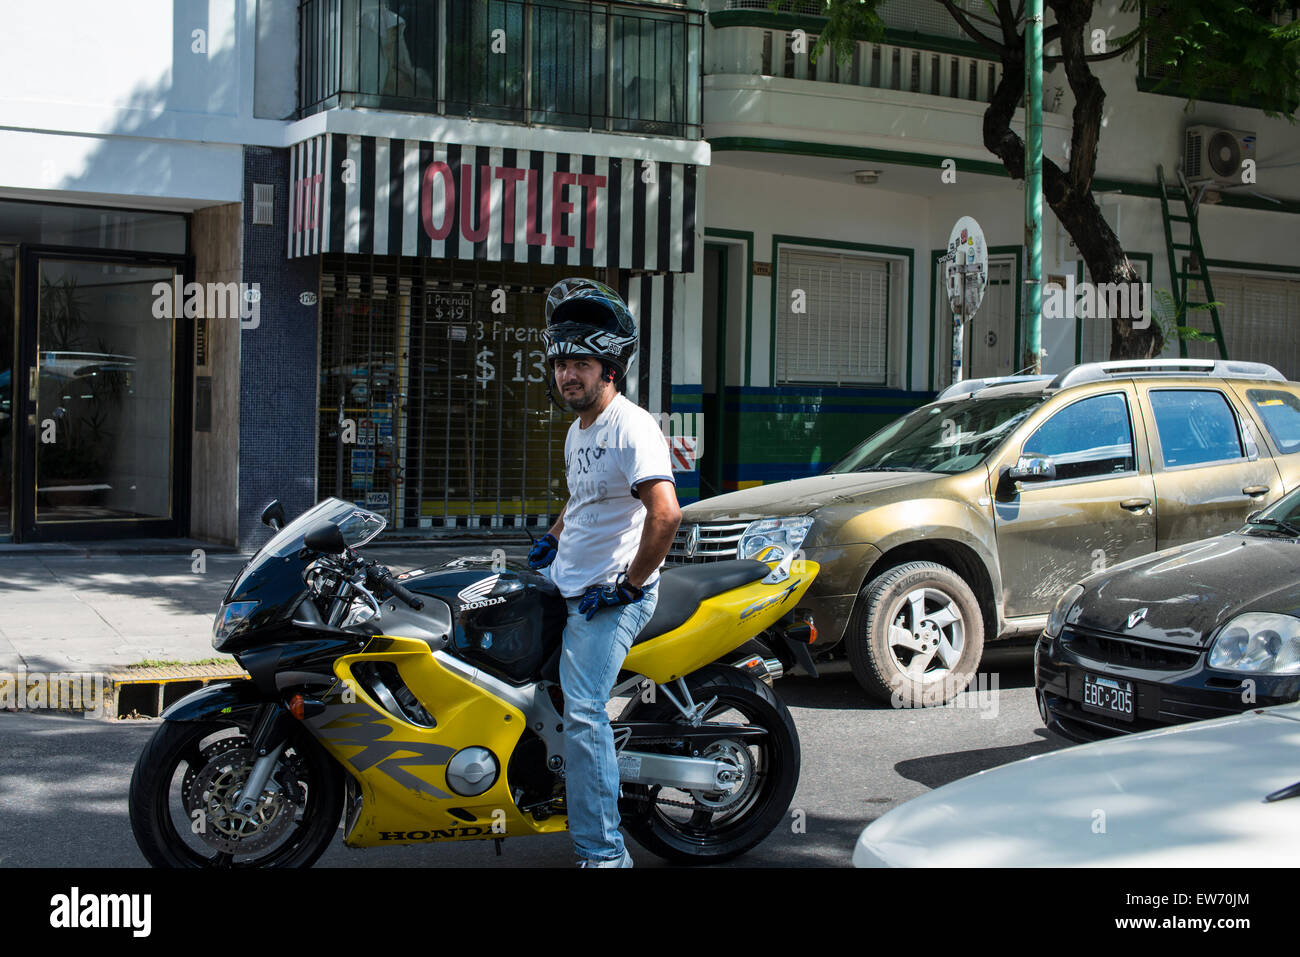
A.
x: 1196, y: 268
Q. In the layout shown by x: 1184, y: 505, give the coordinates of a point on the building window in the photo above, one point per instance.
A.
x: 571, y: 63
x: 1257, y: 314
x: 833, y: 313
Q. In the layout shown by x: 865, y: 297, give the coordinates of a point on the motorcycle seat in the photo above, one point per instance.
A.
x: 683, y: 587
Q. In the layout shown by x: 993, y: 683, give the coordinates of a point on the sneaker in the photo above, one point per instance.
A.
x: 624, y: 861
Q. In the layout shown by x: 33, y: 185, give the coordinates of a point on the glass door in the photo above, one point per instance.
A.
x: 101, y: 445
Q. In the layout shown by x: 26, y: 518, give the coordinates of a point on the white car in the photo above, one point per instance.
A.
x: 1221, y: 793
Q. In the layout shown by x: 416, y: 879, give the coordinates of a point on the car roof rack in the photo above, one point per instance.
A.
x: 1222, y: 368
x: 967, y: 386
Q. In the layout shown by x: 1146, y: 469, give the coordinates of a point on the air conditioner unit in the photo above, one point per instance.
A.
x: 1213, y: 155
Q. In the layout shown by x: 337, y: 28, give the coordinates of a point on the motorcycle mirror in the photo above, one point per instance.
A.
x: 327, y: 539
x: 273, y: 515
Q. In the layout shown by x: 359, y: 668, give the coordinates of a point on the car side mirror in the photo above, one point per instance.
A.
x: 273, y: 515
x: 1032, y: 469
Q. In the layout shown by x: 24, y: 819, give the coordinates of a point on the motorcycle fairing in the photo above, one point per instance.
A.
x: 719, y: 625
x: 401, y: 767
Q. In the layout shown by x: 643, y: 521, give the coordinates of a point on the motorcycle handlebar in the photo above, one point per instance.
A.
x: 383, y: 577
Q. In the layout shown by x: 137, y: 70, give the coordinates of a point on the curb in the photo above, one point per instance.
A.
x: 108, y: 695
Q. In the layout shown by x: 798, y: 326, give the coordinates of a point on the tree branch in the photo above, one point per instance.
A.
x: 1009, y: 21
x: 1095, y: 57
x: 985, y: 41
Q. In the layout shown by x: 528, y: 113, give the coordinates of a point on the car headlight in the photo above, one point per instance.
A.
x: 772, y: 539
x: 1260, y: 643
x: 1056, y: 620
x: 230, y: 620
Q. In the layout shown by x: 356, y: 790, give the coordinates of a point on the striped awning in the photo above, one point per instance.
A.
x: 366, y: 194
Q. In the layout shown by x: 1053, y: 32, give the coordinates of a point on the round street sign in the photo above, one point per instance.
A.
x: 968, y: 258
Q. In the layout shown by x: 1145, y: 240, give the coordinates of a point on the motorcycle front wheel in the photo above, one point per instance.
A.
x: 701, y: 827
x: 187, y: 785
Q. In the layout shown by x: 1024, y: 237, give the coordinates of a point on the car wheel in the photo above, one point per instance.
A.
x: 917, y: 635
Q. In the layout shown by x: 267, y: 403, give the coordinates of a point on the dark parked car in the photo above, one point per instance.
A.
x: 1200, y: 631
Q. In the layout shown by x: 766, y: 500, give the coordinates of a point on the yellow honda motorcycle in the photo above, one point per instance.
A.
x: 427, y: 707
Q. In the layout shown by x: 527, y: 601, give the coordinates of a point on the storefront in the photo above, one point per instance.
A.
x: 94, y: 385
x: 434, y: 263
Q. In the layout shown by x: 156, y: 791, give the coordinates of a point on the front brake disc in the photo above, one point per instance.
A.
x: 211, y: 793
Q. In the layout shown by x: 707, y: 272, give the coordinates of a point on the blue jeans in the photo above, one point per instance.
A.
x: 593, y: 653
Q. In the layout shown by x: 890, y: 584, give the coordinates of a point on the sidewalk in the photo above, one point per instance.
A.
x: 106, y: 606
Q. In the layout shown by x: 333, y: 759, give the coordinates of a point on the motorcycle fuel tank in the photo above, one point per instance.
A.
x: 507, y: 619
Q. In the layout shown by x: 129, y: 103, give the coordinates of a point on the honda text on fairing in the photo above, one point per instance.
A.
x: 427, y: 707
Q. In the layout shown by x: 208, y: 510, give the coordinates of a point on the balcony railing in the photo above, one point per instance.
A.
x: 586, y: 64
x: 755, y: 51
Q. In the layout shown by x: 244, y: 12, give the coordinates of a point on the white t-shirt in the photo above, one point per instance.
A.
x: 603, y: 519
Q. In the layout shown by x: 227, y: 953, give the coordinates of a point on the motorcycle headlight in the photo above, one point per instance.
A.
x: 1056, y: 620
x: 772, y: 539
x: 1260, y: 643
x: 230, y: 620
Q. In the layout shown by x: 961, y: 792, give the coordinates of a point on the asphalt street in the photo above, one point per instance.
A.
x: 64, y: 780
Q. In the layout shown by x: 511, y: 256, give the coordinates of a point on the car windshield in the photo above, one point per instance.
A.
x: 1282, y: 515
x: 941, y: 437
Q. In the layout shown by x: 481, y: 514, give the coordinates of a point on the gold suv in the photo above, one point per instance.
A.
x: 968, y: 517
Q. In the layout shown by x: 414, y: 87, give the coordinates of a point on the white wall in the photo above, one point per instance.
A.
x: 801, y: 206
x: 139, y: 100
x: 816, y: 209
x: 1139, y: 130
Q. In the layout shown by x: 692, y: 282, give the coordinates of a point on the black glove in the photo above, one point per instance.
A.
x: 622, y: 592
x: 543, y: 551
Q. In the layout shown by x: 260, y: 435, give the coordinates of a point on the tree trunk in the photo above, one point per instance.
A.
x: 1070, y: 195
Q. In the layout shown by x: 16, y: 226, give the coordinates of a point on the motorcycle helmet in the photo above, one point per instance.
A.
x: 588, y: 318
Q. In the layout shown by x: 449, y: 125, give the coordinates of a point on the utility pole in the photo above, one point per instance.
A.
x: 1034, y: 183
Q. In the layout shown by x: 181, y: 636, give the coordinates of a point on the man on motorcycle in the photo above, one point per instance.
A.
x: 605, y: 550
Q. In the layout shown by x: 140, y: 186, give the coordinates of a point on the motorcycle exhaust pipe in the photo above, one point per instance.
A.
x: 766, y: 670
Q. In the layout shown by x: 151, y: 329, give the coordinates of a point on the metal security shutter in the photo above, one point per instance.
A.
x: 1259, y: 316
x: 443, y: 397
x: 842, y: 337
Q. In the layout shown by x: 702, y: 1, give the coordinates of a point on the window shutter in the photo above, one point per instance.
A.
x: 842, y: 335
x: 1258, y: 316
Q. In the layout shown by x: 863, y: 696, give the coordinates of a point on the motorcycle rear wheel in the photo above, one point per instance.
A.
x: 182, y: 790
x: 704, y: 828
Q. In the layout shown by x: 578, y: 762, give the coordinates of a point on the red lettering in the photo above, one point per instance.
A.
x: 484, y: 202
x: 316, y: 183
x: 559, y: 206
x: 589, y: 183
x: 437, y: 168
x: 531, y: 236
x: 511, y: 175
